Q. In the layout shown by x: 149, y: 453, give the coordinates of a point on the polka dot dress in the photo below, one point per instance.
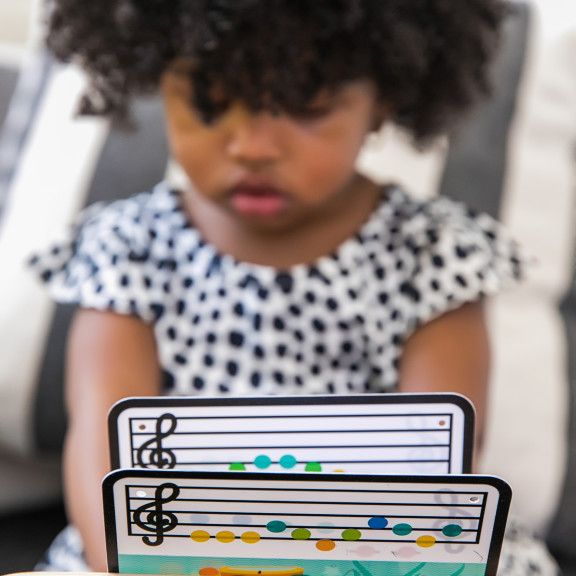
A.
x: 337, y: 326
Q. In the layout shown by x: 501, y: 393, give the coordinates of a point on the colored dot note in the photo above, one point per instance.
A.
x: 402, y: 529
x: 250, y: 537
x: 426, y: 541
x: 378, y: 522
x: 313, y: 467
x: 238, y: 466
x: 452, y: 530
x: 276, y: 526
x: 225, y: 536
x: 301, y: 534
x: 200, y: 536
x: 262, y: 461
x: 325, y: 545
x: 325, y: 527
x: 209, y: 571
x: 288, y: 461
x: 351, y: 534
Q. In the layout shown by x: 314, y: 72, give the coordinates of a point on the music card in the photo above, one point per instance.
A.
x: 369, y: 434
x: 270, y: 524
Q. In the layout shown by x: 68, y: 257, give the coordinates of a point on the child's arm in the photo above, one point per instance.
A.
x: 451, y: 354
x: 109, y: 357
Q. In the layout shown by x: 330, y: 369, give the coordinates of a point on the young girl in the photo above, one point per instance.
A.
x: 276, y: 268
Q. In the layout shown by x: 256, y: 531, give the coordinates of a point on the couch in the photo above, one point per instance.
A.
x: 514, y: 157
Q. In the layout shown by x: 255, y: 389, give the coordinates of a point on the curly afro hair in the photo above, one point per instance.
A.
x: 429, y: 59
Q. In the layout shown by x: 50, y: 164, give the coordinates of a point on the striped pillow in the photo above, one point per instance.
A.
x: 53, y: 164
x: 515, y: 158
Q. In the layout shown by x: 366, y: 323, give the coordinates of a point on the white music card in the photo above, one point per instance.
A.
x: 371, y: 434
x: 270, y: 524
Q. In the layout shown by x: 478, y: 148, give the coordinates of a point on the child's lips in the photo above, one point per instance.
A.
x: 258, y: 200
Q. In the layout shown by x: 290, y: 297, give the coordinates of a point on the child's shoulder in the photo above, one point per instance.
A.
x: 133, y: 220
x: 115, y: 253
x: 441, y: 224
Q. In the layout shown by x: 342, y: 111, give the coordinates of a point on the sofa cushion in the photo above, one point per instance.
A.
x: 57, y: 164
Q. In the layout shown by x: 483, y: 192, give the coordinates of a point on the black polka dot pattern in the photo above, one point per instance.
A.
x: 229, y: 327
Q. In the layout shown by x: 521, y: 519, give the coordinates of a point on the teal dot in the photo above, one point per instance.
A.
x: 378, y: 522
x: 452, y: 530
x: 262, y: 461
x: 276, y: 526
x: 288, y: 461
x: 402, y: 529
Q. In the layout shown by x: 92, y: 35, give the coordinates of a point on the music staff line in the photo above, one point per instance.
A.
x: 153, y: 517
x: 324, y: 461
x: 342, y: 431
x: 283, y: 424
x: 154, y: 452
x: 315, y: 416
x: 267, y: 488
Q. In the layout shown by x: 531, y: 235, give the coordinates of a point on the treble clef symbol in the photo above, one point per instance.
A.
x: 158, y: 457
x: 157, y: 520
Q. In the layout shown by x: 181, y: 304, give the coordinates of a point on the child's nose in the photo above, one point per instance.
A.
x: 254, y: 138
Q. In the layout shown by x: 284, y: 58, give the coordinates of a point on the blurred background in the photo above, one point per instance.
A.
x: 514, y: 157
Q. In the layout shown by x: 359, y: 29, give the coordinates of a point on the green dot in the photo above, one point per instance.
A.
x: 237, y: 466
x: 402, y: 529
x: 351, y: 534
x: 276, y: 526
x: 313, y: 467
x: 288, y: 461
x: 301, y: 534
x: 262, y: 461
x: 452, y: 530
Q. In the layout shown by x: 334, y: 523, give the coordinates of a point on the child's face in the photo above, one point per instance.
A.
x: 272, y: 171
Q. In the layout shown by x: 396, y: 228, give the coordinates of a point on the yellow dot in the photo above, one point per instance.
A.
x: 339, y: 471
x: 325, y: 545
x: 426, y: 541
x: 250, y: 537
x: 200, y: 536
x: 225, y: 536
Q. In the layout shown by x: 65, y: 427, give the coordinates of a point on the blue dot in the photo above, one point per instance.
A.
x: 262, y: 462
x: 378, y: 522
x: 288, y: 461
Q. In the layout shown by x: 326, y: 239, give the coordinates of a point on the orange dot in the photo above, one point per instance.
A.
x: 200, y: 536
x: 209, y: 571
x: 250, y: 537
x: 426, y: 541
x: 442, y: 423
x: 325, y: 545
x: 225, y: 536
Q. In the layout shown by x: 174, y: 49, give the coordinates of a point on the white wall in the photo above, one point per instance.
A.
x: 16, y: 27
